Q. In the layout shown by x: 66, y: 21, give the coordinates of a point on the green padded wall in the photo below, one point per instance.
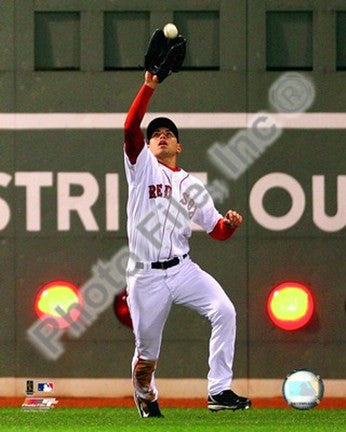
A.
x: 226, y: 73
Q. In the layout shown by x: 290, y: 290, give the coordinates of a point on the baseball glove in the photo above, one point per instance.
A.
x: 164, y: 55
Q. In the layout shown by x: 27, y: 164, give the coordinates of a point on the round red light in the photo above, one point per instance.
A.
x: 290, y: 305
x: 56, y: 300
x: 121, y: 309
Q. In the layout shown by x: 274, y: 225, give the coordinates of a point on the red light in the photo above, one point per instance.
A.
x: 121, y: 309
x: 56, y: 294
x: 290, y: 305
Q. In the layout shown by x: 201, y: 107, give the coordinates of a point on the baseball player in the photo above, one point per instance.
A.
x: 163, y: 200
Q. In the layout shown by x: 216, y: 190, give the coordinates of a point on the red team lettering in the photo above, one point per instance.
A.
x: 155, y: 191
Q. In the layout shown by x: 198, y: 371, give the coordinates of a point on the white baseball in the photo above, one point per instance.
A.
x: 170, y: 31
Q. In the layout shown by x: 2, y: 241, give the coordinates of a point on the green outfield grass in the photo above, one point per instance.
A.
x: 176, y: 420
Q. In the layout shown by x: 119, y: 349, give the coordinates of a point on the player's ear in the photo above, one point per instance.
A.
x: 179, y: 148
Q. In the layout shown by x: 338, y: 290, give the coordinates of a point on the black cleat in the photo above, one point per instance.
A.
x: 146, y: 408
x: 227, y: 400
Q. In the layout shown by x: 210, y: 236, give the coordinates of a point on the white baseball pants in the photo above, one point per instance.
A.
x: 151, y: 294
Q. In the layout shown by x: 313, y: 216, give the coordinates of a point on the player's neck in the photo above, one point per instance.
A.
x: 170, y: 162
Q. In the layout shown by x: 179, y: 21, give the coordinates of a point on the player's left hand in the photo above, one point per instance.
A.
x: 151, y: 80
x: 164, y: 55
x: 232, y: 219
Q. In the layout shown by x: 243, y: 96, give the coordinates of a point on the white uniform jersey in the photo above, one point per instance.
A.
x: 161, y: 204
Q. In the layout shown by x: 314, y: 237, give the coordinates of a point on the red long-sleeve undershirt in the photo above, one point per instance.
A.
x: 134, y: 142
x: 134, y: 138
x: 221, y: 231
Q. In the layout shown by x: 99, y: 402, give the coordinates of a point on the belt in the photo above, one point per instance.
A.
x: 163, y: 265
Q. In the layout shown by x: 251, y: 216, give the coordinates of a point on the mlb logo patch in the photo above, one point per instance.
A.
x: 45, y: 387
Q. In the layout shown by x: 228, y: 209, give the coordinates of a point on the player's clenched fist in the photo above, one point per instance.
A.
x: 232, y: 219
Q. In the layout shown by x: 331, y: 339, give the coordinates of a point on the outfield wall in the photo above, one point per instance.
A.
x: 68, y: 73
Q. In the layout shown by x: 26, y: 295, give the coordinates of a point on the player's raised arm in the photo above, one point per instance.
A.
x: 134, y: 138
x: 165, y: 55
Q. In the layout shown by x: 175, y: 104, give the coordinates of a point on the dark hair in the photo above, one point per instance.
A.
x: 161, y: 122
